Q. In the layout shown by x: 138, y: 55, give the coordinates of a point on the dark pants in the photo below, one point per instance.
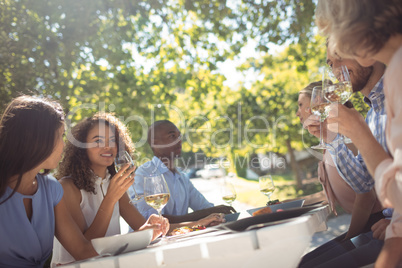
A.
x: 339, y: 253
x: 346, y: 255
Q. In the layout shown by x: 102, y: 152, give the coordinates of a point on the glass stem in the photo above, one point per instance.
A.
x: 321, y: 139
x: 160, y: 217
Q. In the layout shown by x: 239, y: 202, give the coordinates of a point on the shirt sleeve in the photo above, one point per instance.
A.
x: 56, y: 189
x: 197, y: 200
x: 388, y: 173
x: 351, y: 168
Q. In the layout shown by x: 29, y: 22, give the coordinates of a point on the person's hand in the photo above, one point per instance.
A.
x: 312, y: 121
x: 160, y: 225
x: 379, y: 228
x: 120, y: 183
x: 221, y: 209
x: 391, y: 254
x: 346, y: 121
x: 212, y: 220
x: 312, y: 124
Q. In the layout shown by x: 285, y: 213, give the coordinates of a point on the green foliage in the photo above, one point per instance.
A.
x: 147, y: 60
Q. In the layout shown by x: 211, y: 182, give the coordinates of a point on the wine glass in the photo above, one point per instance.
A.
x: 156, y: 192
x: 122, y: 159
x: 228, y: 192
x: 267, y: 185
x: 337, y: 87
x: 320, y: 107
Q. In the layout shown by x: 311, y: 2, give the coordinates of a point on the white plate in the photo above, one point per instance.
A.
x: 291, y: 204
x: 135, y: 240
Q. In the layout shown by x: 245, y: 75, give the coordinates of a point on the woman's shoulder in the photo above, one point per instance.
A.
x: 68, y: 182
x: 69, y: 187
x: 51, y: 186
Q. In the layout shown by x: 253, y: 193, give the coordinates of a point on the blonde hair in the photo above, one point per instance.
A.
x: 356, y: 25
x: 309, y: 88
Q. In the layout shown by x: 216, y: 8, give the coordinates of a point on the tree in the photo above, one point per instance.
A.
x: 141, y: 58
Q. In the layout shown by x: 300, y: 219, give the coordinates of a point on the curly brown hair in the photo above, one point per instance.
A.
x: 76, y: 164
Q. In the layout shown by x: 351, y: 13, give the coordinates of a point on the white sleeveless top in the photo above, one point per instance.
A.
x: 90, y: 204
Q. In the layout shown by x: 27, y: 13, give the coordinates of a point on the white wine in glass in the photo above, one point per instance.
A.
x: 228, y: 192
x: 267, y: 185
x: 122, y: 159
x: 319, y: 105
x: 337, y: 87
x: 156, y: 192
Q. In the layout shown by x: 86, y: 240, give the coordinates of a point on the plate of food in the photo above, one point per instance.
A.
x: 187, y: 231
x: 274, y: 206
x: 111, y: 244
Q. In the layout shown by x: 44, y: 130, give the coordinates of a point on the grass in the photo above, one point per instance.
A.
x: 285, y: 188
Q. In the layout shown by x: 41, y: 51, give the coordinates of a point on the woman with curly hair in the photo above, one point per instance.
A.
x: 32, y: 207
x: 95, y: 194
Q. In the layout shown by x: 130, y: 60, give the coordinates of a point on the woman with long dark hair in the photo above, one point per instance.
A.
x: 32, y: 207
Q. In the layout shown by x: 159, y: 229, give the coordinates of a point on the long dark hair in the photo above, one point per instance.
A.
x: 76, y: 164
x: 28, y: 131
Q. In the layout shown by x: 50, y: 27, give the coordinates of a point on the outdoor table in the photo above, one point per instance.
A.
x: 277, y: 245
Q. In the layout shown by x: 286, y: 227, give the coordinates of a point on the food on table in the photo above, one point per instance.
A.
x: 187, y: 229
x: 262, y: 211
x: 273, y: 202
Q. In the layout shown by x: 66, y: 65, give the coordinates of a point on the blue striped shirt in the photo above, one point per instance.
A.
x: 352, y: 168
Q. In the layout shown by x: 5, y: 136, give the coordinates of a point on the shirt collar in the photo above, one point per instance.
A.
x: 160, y: 166
x: 107, y: 177
x: 376, y: 96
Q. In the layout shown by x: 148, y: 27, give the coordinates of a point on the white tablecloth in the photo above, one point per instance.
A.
x: 280, y: 245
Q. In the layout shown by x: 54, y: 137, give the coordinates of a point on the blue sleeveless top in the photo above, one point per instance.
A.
x: 25, y: 243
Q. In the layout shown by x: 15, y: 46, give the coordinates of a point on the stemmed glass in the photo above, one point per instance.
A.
x: 337, y: 87
x: 320, y: 107
x: 228, y: 192
x: 122, y: 159
x: 267, y: 185
x: 156, y: 192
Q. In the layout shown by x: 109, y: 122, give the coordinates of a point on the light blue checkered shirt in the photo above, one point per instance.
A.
x: 352, y: 168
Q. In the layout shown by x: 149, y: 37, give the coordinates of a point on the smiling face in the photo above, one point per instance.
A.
x: 101, y: 146
x: 304, y: 111
x: 359, y: 75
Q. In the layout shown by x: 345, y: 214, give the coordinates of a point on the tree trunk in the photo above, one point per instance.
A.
x: 295, y: 167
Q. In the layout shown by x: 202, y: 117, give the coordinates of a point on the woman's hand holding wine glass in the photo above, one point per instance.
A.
x: 120, y: 183
x: 124, y: 159
x: 160, y: 225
